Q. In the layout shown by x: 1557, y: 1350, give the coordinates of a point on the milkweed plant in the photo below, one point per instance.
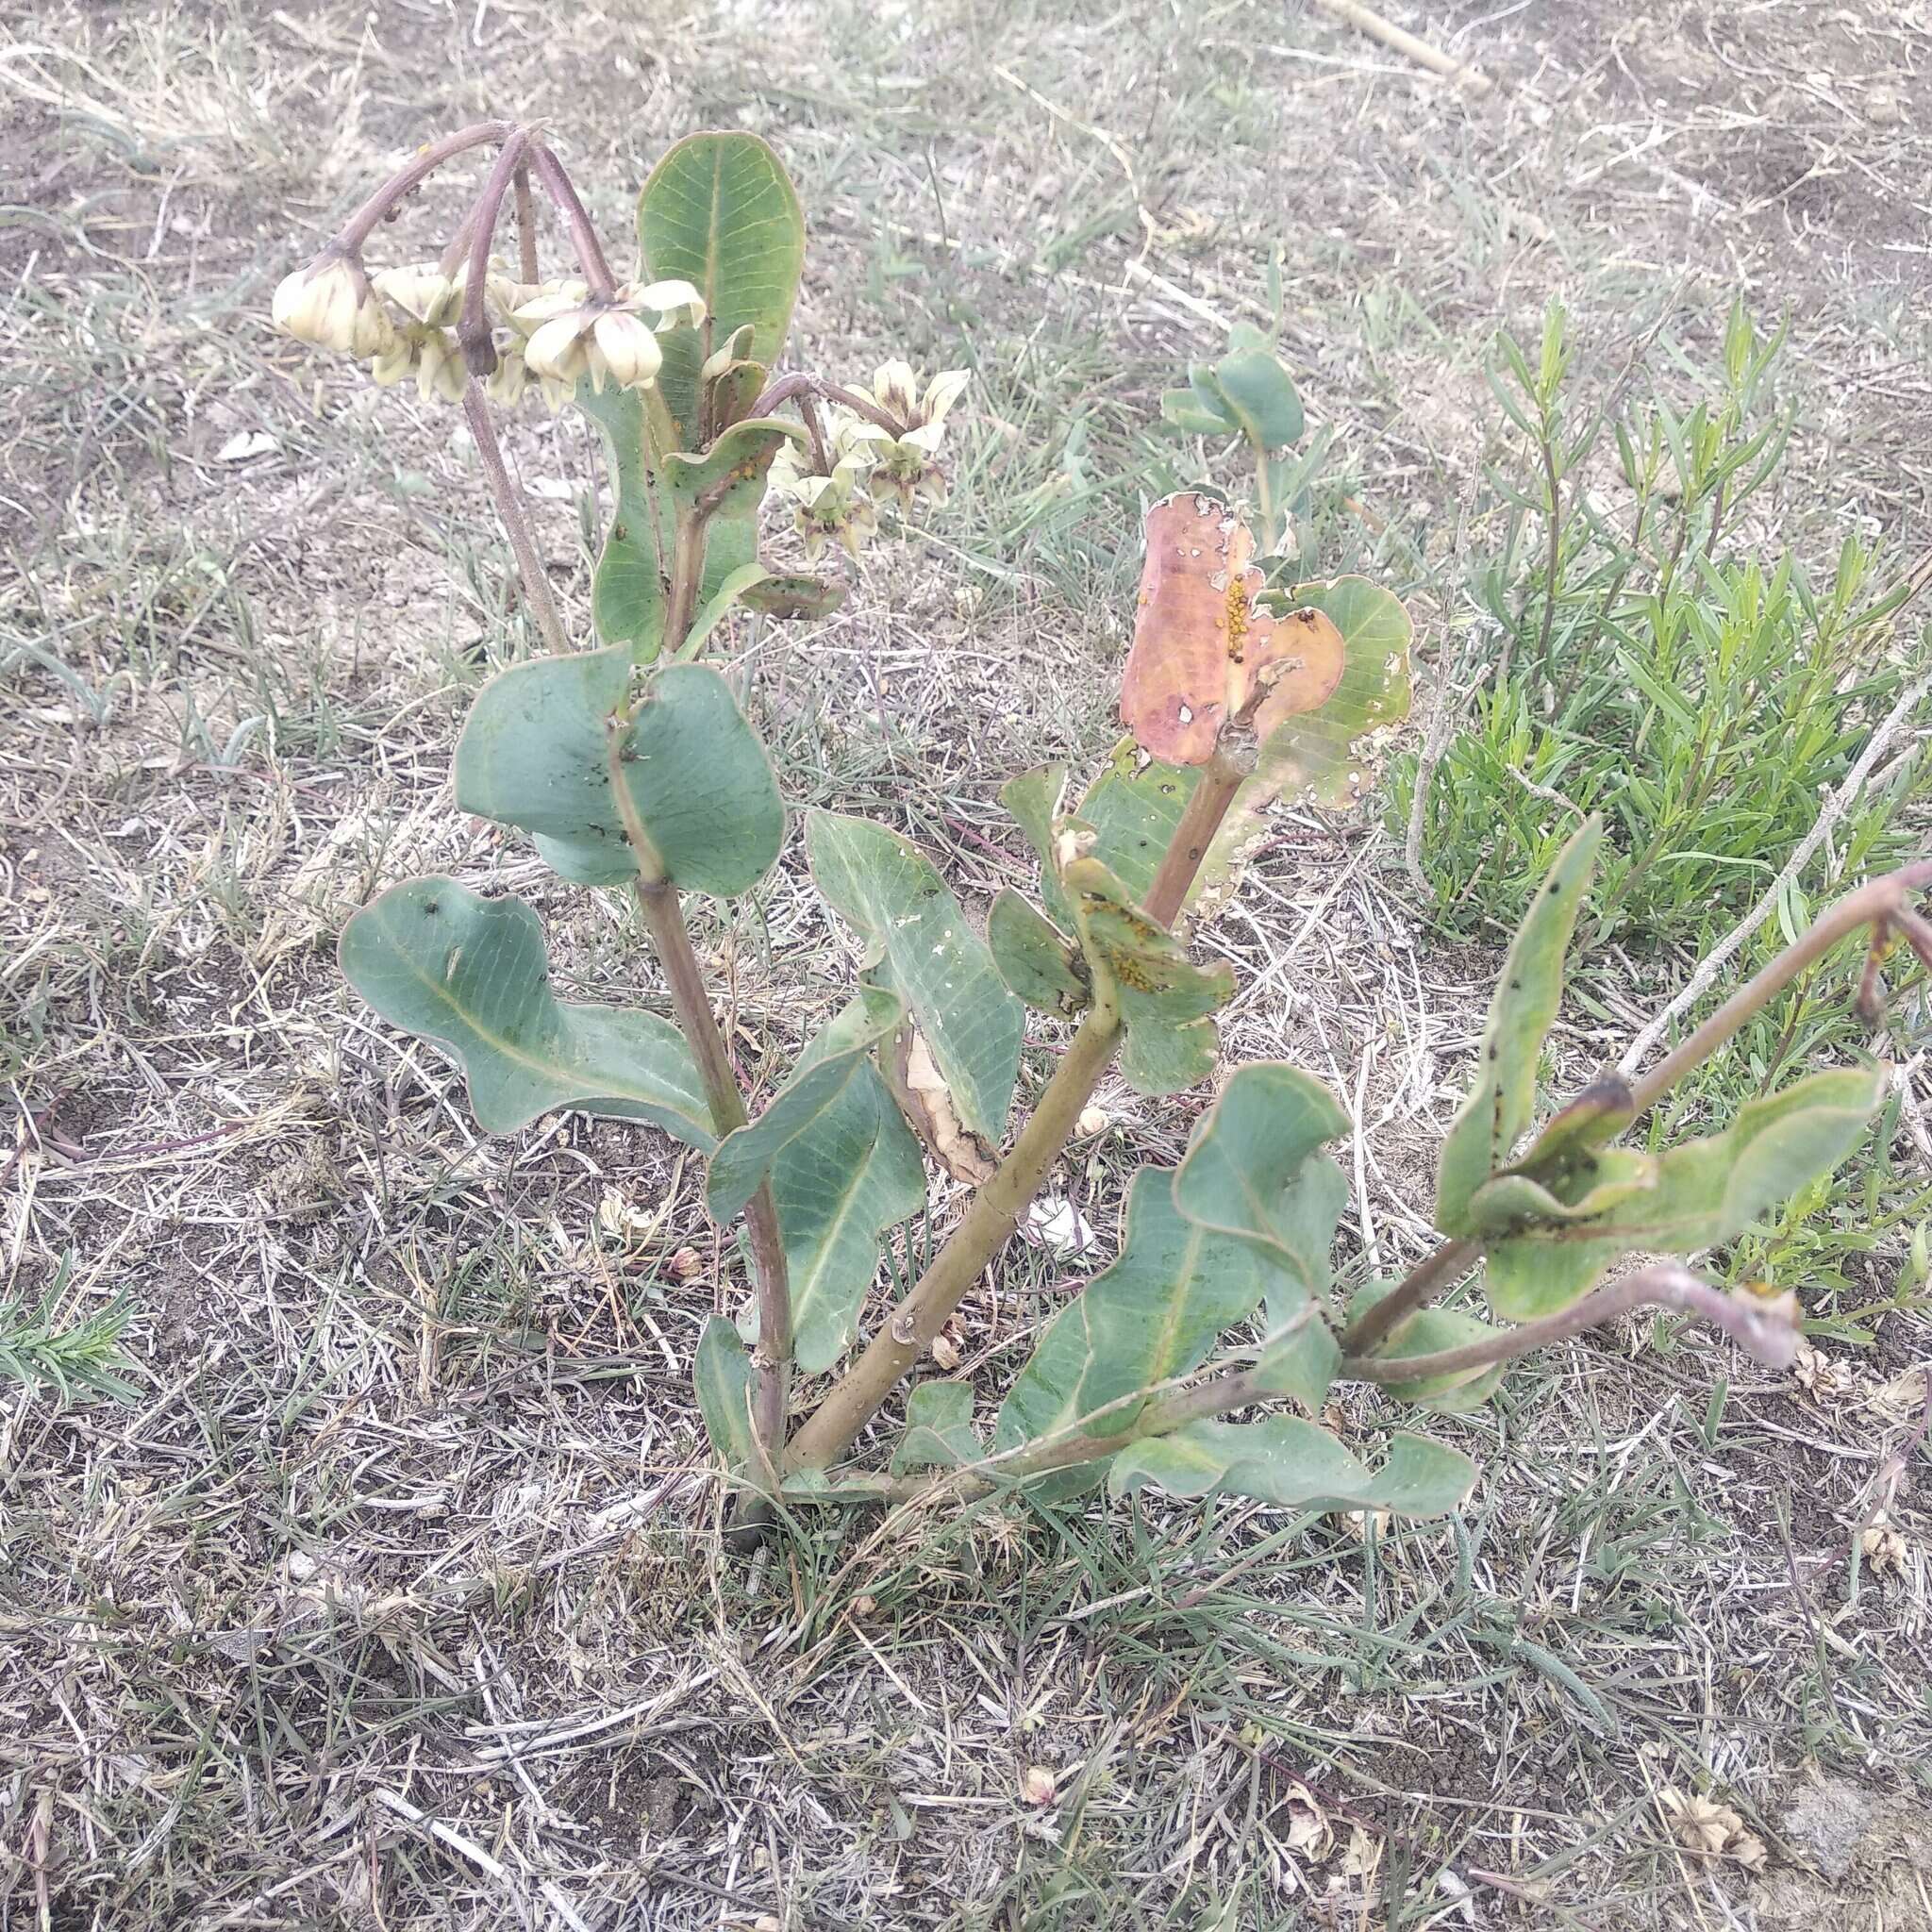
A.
x: 1199, y: 1360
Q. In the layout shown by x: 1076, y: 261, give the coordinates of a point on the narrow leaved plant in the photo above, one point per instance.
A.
x: 630, y: 763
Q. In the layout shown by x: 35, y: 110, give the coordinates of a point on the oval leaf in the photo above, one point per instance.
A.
x: 719, y: 211
x: 1255, y: 1169
x: 891, y: 895
x: 1498, y: 1111
x: 535, y: 753
x: 436, y: 959
x: 1153, y: 1315
x: 1295, y: 1464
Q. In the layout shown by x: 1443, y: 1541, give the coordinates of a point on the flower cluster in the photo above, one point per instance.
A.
x: 834, y: 487
x: 401, y: 321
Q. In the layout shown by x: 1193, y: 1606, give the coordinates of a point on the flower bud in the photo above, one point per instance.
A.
x: 439, y: 370
x: 333, y: 307
x: 559, y: 351
x: 623, y: 348
x: 509, y: 379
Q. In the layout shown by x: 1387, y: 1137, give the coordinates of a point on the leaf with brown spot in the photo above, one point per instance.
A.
x: 1204, y: 647
x: 927, y: 1104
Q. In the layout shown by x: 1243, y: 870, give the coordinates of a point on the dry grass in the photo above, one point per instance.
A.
x: 394, y: 1599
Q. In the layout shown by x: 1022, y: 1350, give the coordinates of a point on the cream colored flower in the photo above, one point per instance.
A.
x: 509, y: 379
x: 439, y: 370
x: 895, y: 389
x: 836, y: 508
x: 907, y: 461
x: 422, y: 293
x: 333, y: 307
x: 575, y: 335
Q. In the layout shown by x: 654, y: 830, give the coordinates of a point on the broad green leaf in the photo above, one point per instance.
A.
x: 1706, y: 1192
x: 723, y: 1375
x: 719, y: 211
x: 843, y: 1167
x: 1427, y: 1332
x: 1150, y: 1316
x: 1483, y: 1136
x: 891, y: 895
x: 437, y: 959
x: 535, y: 753
x: 1164, y: 997
x: 1046, y: 971
x: 794, y: 593
x: 1034, y: 800
x: 732, y: 592
x: 629, y: 588
x: 1295, y: 1464
x: 1133, y: 805
x: 1261, y: 396
x: 939, y: 1428
x: 1183, y: 410
x: 745, y: 1158
x: 1299, y: 1355
x: 1255, y: 1169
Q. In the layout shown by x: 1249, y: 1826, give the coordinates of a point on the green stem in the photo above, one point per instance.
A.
x: 988, y: 1225
x: 996, y: 1208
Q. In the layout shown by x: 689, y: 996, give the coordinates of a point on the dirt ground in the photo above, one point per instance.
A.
x: 394, y: 1598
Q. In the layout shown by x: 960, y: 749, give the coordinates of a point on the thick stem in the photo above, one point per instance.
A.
x: 418, y: 168
x: 509, y: 507
x: 671, y: 939
x: 988, y: 1225
x: 1767, y: 1330
x: 1221, y: 778
x: 590, y: 257
x: 687, y: 567
x: 1434, y: 1270
x: 996, y: 1208
x: 1156, y: 1412
x: 474, y: 333
x: 1879, y: 900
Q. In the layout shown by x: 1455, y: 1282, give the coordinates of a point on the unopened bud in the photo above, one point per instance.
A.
x: 625, y: 349
x: 333, y: 307
x: 440, y: 371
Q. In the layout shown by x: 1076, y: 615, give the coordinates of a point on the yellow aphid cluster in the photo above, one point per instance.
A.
x: 401, y: 323
x: 834, y: 492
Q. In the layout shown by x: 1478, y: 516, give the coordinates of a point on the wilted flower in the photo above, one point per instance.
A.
x: 332, y: 306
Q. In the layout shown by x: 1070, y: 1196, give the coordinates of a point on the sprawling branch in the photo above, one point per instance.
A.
x: 1767, y: 1329
x: 1883, y: 904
